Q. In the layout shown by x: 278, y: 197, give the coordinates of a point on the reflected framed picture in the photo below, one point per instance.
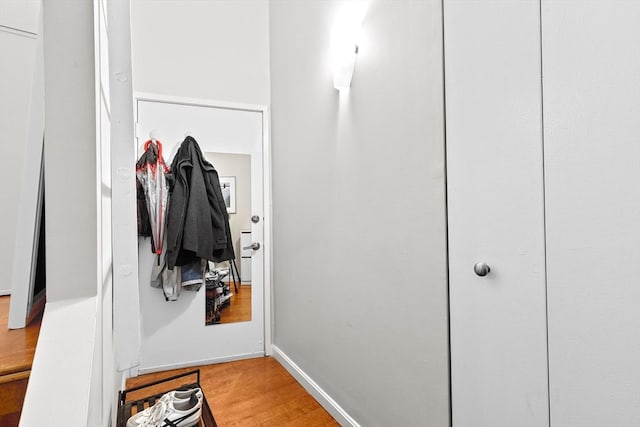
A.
x: 228, y: 188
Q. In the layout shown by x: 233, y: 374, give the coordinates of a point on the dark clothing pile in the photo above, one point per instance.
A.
x: 196, y: 226
x: 197, y: 220
x: 144, y: 226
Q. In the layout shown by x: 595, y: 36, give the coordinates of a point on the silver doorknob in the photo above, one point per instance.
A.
x: 255, y: 246
x: 481, y: 269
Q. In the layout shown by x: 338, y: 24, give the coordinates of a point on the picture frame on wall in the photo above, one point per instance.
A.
x: 228, y: 188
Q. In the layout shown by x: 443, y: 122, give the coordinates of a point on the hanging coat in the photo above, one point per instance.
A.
x: 198, y: 222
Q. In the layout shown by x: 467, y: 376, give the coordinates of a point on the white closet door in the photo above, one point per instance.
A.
x: 591, y: 60
x: 496, y: 215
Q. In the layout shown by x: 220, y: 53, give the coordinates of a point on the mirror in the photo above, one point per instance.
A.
x: 228, y: 284
x: 22, y: 123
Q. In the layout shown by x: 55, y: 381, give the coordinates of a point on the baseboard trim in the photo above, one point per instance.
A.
x: 314, y: 389
x: 160, y: 368
x: 5, y: 292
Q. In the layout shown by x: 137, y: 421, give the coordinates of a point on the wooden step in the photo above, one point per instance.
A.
x: 16, y: 356
x: 13, y: 388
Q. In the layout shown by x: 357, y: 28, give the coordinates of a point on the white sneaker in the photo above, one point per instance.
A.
x: 178, y: 408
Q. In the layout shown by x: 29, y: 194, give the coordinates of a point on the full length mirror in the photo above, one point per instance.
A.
x: 228, y: 284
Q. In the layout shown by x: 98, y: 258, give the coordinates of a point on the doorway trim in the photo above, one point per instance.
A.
x: 266, y: 182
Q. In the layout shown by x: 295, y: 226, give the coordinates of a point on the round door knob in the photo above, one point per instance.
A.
x: 481, y: 269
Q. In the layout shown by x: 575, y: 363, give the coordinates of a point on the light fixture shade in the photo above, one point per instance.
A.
x: 343, y: 69
x: 346, y: 36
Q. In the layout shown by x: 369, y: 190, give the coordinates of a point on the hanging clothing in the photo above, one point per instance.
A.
x: 188, y: 277
x: 151, y: 173
x: 192, y: 275
x: 198, y: 222
x: 165, y: 279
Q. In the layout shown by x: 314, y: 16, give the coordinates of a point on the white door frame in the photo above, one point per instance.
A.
x: 266, y: 182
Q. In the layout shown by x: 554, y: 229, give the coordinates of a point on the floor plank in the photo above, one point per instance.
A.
x: 239, y: 310
x: 253, y: 392
x: 18, y: 345
x: 17, y: 348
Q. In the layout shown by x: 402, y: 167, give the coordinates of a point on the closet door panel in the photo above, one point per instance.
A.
x: 591, y: 69
x: 495, y: 213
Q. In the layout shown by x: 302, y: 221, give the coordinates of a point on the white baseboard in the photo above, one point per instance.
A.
x: 314, y: 389
x: 5, y: 292
x: 160, y: 368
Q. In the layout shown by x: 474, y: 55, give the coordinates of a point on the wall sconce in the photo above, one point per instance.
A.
x: 344, y: 66
x: 345, y: 38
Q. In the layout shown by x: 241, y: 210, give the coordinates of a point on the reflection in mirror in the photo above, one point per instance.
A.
x: 228, y: 284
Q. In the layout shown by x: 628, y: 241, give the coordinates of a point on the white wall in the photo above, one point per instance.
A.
x: 75, y: 346
x: 70, y: 156
x: 18, y: 27
x: 359, y: 225
x: 217, y: 50
x: 363, y: 308
x: 20, y: 15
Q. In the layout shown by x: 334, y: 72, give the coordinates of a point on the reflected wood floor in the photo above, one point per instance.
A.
x: 17, y: 348
x: 253, y: 392
x: 239, y: 309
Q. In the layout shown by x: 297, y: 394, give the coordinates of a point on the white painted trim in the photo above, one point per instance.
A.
x: 201, y: 362
x: 126, y: 297
x: 66, y: 324
x: 267, y: 232
x: 314, y: 389
x: 4, y: 293
x: 198, y: 102
x: 266, y: 190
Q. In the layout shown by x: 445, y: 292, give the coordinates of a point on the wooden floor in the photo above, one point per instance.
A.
x: 239, y: 310
x: 17, y: 348
x: 253, y: 392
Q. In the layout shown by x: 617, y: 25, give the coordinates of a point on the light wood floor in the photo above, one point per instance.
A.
x: 17, y: 348
x: 239, y: 310
x: 253, y: 392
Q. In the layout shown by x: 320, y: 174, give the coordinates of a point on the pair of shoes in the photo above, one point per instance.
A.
x: 178, y: 408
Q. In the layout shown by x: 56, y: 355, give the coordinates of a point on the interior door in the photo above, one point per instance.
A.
x: 592, y: 150
x: 496, y: 213
x: 174, y: 332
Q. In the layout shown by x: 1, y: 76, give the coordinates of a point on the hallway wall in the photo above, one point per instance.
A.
x: 359, y: 228
x: 78, y: 312
x: 360, y: 291
x: 18, y: 33
x: 216, y: 50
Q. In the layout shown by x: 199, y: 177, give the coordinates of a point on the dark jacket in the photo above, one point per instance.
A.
x: 197, y: 219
